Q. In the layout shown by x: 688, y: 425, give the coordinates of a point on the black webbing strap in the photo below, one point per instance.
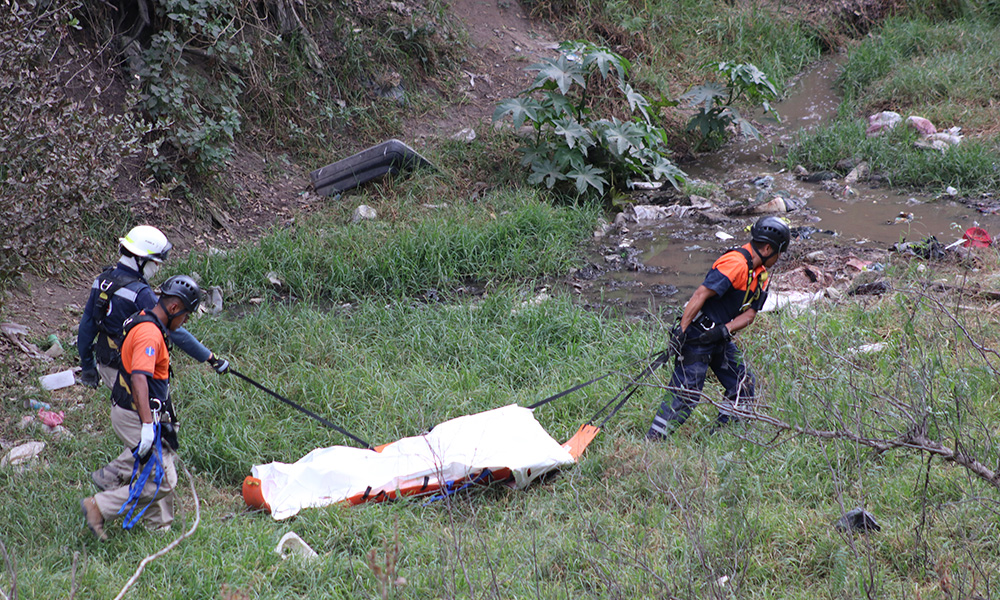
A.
x: 569, y: 391
x: 661, y: 359
x: 581, y: 385
x: 301, y: 409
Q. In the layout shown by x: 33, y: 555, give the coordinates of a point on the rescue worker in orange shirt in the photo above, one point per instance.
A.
x: 727, y: 301
x: 141, y: 397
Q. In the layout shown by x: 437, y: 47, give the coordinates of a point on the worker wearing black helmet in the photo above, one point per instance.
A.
x: 119, y: 292
x: 143, y: 415
x: 116, y: 294
x: 727, y: 301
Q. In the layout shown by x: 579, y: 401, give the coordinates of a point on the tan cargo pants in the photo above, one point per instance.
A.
x: 160, y: 514
x: 108, y: 375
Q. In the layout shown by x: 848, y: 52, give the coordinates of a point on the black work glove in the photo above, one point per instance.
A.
x: 90, y: 378
x: 716, y: 334
x: 220, y: 365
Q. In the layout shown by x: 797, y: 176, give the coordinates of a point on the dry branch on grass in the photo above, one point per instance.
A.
x: 872, y: 416
x: 171, y: 545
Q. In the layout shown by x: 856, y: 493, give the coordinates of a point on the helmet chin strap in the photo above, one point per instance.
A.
x: 756, y: 248
x: 170, y: 316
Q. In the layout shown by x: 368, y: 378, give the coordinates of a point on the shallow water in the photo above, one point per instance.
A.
x: 867, y: 217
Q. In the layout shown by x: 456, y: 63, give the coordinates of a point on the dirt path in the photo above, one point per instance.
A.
x: 505, y: 41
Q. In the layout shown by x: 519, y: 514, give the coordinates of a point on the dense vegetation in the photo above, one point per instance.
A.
x: 374, y: 326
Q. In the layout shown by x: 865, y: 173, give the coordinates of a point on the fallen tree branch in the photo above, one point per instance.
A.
x: 983, y: 350
x: 171, y: 545
x: 913, y: 441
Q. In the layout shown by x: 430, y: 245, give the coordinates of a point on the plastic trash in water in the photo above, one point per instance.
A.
x: 976, y: 237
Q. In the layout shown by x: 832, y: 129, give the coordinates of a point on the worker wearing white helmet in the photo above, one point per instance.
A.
x: 116, y: 294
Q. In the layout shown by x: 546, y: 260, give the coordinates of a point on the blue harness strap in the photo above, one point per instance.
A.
x: 140, y: 476
x: 451, y: 487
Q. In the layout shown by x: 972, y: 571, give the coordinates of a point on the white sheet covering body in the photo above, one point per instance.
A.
x: 504, y: 437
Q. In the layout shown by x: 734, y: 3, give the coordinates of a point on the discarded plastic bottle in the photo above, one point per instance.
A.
x: 37, y: 404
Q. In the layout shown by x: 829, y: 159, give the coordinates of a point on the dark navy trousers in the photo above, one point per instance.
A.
x: 690, y: 369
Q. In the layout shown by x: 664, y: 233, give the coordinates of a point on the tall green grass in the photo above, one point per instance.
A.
x: 673, y: 41
x: 745, y: 513
x: 919, y: 65
x: 946, y: 71
x: 324, y: 257
x: 973, y: 166
x: 384, y: 371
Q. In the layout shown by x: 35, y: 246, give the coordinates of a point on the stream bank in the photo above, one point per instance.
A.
x: 659, y: 249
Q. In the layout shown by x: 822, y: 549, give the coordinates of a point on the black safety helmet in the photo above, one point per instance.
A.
x: 185, y: 288
x: 773, y: 231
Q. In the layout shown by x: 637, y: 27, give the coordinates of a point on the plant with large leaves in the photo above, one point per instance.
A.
x: 580, y: 144
x: 716, y: 102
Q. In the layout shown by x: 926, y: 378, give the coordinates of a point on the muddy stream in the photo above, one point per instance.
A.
x: 674, y: 254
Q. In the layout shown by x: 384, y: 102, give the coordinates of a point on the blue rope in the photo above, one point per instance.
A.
x: 155, y: 462
x: 448, y: 486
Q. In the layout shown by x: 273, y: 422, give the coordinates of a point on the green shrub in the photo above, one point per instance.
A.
x: 59, y: 157
x: 195, y: 105
x: 716, y: 103
x: 580, y: 143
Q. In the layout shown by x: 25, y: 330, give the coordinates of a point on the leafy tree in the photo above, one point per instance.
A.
x: 196, y: 109
x: 580, y: 143
x: 716, y: 102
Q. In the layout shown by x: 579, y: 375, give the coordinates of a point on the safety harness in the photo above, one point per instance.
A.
x: 705, y: 323
x: 108, y: 347
x: 121, y: 394
x: 747, y: 298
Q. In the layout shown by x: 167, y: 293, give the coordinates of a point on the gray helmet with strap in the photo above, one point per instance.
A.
x: 772, y: 230
x: 185, y: 288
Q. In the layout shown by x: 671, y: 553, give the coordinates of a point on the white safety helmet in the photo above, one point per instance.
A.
x: 146, y: 242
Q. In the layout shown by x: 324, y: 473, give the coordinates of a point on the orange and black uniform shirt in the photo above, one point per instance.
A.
x: 735, y: 288
x: 144, y: 351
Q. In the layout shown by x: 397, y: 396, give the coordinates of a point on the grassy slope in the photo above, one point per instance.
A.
x: 632, y: 520
x: 942, y: 70
x: 635, y: 519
